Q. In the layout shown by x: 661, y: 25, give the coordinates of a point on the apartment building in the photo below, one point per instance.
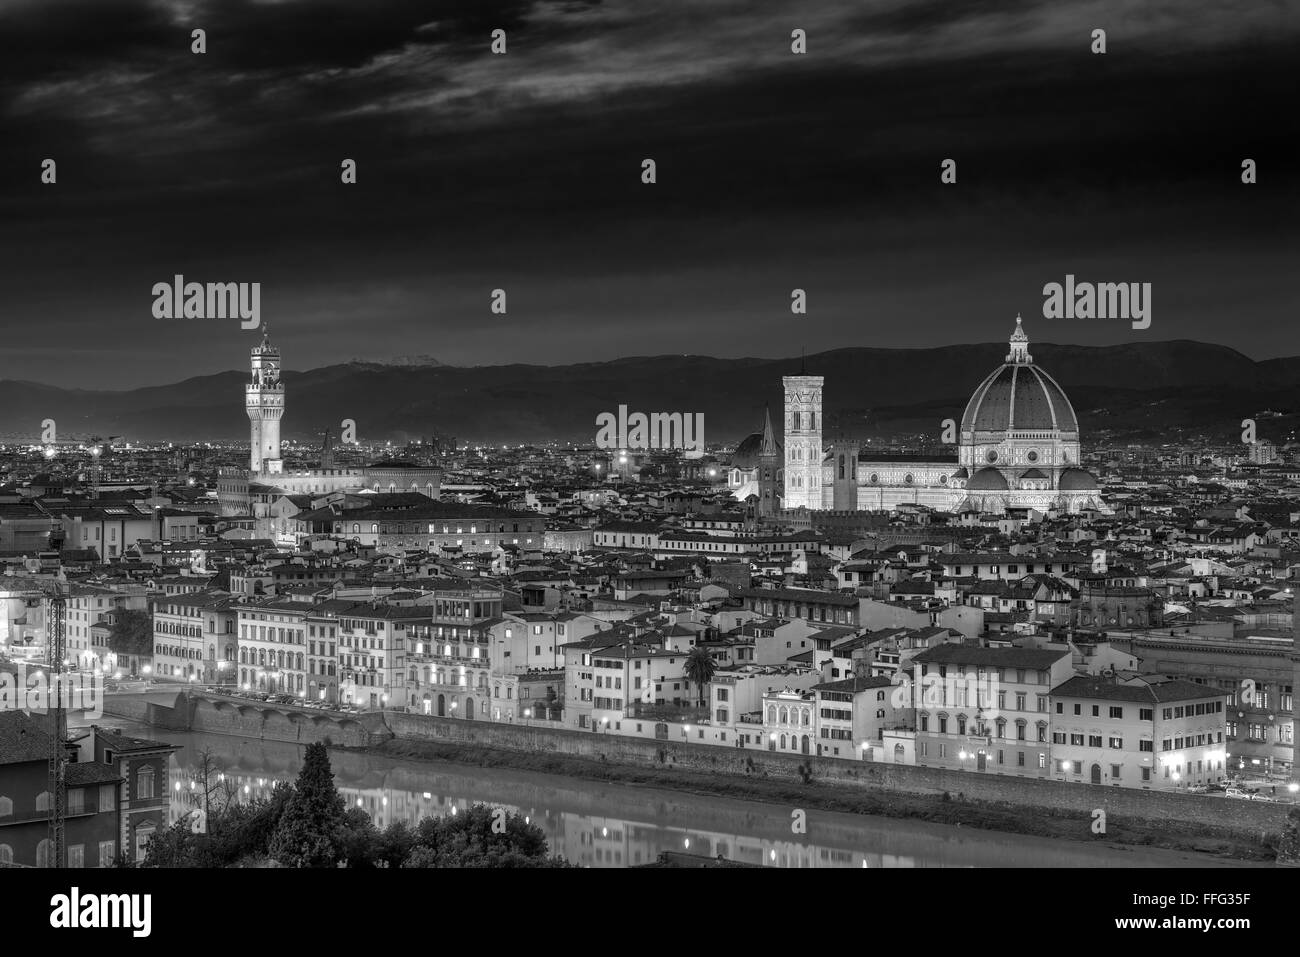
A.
x: 196, y: 637
x: 986, y: 709
x: 1143, y: 731
x: 273, y: 645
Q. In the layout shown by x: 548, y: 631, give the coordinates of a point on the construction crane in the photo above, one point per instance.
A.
x: 98, y: 445
x: 58, y: 785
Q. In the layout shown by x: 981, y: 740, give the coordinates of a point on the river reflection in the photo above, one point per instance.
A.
x: 613, y: 825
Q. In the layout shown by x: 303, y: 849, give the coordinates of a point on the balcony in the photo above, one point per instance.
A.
x: 483, y: 661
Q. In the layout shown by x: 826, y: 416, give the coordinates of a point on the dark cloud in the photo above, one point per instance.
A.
x: 522, y: 172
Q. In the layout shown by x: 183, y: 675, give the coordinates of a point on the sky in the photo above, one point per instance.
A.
x: 775, y: 171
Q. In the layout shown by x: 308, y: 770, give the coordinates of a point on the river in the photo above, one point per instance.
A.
x: 614, y: 825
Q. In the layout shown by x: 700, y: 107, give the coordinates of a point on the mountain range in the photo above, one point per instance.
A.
x: 1143, y: 391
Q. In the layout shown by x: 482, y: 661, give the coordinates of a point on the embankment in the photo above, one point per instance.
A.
x: 1209, y: 823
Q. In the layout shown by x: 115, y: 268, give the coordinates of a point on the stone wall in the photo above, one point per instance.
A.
x: 1154, y: 809
x: 251, y: 720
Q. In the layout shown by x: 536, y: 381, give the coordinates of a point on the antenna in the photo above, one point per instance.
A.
x: 58, y: 784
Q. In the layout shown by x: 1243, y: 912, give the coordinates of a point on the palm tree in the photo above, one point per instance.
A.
x: 700, y: 668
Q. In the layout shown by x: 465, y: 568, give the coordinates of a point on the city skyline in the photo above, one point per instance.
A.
x: 552, y: 434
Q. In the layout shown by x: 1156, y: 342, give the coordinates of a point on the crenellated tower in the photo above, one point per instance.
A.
x: 264, y: 401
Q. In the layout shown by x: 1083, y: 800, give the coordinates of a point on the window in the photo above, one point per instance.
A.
x: 6, y: 806
x: 144, y: 783
x: 1117, y: 712
x: 77, y: 855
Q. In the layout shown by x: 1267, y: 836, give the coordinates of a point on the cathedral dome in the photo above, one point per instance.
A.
x: 1018, y: 396
x: 1077, y: 480
x: 987, y: 480
x: 746, y: 454
x: 749, y: 453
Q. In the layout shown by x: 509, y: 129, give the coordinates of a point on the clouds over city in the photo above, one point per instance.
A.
x: 521, y: 171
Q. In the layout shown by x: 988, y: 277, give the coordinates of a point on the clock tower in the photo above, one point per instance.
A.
x: 264, y: 401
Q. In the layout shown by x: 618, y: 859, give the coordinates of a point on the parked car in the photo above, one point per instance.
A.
x: 1261, y: 796
x: 1198, y: 789
x: 1237, y: 793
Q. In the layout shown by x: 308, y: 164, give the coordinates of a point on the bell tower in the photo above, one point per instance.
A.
x: 803, y: 441
x: 264, y: 401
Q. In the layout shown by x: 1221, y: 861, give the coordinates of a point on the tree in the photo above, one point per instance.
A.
x: 132, y: 633
x: 313, y: 830
x: 234, y: 832
x: 699, y: 668
x: 480, y: 837
x: 1288, y: 848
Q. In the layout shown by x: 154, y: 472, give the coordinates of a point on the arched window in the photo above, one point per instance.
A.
x: 771, y: 714
x: 6, y: 806
x: 841, y: 465
x: 6, y: 855
x: 43, y: 801
x: 43, y: 850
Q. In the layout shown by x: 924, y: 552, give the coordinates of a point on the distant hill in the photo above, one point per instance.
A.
x: 1148, y: 390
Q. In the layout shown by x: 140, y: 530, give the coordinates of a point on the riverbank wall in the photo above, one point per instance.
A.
x: 1156, y: 811
x: 250, y: 719
x: 1160, y: 814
